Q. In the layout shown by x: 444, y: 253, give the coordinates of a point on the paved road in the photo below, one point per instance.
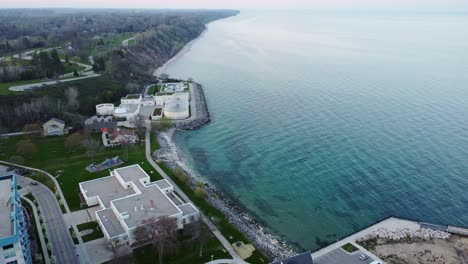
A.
x: 60, y: 240
x: 21, y: 88
x: 39, y: 230
x: 125, y: 42
x: 213, y: 228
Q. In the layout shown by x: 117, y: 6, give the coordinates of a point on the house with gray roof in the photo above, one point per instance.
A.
x: 127, y: 197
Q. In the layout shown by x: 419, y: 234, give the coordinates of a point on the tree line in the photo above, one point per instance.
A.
x: 42, y: 65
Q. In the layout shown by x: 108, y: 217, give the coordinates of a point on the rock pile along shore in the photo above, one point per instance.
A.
x: 199, y: 116
x: 401, y: 234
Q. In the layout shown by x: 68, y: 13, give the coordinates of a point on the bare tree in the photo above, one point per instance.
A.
x: 73, y: 141
x: 140, y: 124
x: 126, y: 146
x: 161, y: 233
x: 117, y: 253
x: 199, y: 233
x: 32, y: 130
x: 72, y: 94
x: 92, y: 146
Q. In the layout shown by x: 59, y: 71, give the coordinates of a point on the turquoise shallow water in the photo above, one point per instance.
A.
x: 325, y: 123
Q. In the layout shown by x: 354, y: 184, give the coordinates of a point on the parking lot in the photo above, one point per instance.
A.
x: 339, y: 256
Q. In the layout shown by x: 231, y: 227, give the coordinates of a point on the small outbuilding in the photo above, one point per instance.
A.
x: 54, y: 127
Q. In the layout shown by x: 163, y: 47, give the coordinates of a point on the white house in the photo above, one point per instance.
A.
x: 127, y: 198
x: 54, y: 127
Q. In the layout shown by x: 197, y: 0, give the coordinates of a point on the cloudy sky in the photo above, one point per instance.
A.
x: 239, y: 4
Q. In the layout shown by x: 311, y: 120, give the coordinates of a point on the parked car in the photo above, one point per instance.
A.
x: 21, y: 171
x: 376, y: 262
x: 10, y: 168
x: 363, y: 257
x: 34, y: 183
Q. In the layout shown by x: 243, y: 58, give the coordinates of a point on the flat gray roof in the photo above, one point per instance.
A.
x: 187, y: 209
x: 110, y: 222
x: 107, y: 188
x: 6, y: 226
x: 162, y: 184
x: 131, y: 173
x: 151, y: 203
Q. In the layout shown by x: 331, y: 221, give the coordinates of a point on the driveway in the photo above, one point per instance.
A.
x: 56, y: 229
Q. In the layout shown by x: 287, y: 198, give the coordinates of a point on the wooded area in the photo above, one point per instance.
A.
x: 159, y: 35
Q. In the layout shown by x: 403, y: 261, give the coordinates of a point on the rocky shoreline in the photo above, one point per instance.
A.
x: 199, y: 110
x: 272, y: 246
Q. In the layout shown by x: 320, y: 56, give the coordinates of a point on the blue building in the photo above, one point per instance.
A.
x: 14, y: 238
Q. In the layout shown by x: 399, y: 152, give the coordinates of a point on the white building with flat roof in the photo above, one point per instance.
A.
x: 127, y: 197
x: 176, y: 106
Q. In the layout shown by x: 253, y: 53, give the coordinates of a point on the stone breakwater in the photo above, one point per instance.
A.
x: 401, y: 234
x: 272, y: 246
x: 199, y: 110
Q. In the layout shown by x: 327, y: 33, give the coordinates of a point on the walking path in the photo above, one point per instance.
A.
x: 125, y: 41
x: 39, y: 231
x: 237, y: 259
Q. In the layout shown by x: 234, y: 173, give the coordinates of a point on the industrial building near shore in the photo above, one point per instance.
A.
x: 172, y: 102
x: 127, y: 197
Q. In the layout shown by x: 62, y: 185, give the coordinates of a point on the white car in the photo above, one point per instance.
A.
x: 376, y: 262
x: 363, y: 257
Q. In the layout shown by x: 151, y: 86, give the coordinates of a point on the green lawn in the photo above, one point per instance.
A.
x: 97, y: 233
x: 152, y: 90
x: 350, y: 248
x: 52, y: 156
x: 70, y: 67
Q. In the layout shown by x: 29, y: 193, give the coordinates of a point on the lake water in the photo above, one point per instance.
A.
x: 324, y: 122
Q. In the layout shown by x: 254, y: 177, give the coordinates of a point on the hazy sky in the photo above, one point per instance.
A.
x: 240, y: 4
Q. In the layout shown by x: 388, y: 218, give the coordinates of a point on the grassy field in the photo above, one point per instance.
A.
x: 152, y: 90
x: 52, y: 156
x: 70, y: 67
x: 111, y: 42
x: 96, y: 234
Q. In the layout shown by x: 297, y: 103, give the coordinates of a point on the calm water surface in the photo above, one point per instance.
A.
x: 325, y: 123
